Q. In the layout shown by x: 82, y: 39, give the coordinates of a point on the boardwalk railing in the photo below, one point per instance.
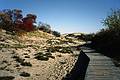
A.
x: 79, y: 70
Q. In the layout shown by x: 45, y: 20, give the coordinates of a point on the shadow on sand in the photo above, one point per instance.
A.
x: 79, y: 70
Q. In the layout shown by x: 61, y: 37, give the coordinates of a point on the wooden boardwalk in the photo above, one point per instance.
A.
x: 100, y: 67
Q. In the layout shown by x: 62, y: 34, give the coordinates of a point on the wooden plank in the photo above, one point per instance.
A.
x: 100, y: 67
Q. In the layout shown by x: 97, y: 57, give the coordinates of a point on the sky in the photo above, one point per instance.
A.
x: 66, y: 16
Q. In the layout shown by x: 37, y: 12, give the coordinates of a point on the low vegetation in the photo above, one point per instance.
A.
x: 108, y: 39
x: 56, y: 33
x: 26, y: 64
x: 43, y: 56
x: 13, y: 21
x: 24, y: 74
x: 22, y: 61
x: 60, y: 49
x: 7, y: 78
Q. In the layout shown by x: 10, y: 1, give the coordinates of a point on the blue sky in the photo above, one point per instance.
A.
x: 66, y: 16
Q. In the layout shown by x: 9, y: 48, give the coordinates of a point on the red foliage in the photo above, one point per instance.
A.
x: 26, y: 24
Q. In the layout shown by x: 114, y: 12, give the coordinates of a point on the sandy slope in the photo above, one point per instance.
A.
x: 15, y: 50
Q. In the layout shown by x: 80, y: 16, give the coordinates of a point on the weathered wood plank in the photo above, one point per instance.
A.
x: 100, y: 67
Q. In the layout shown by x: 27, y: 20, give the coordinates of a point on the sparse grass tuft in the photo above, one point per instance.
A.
x: 7, y: 77
x: 12, y: 46
x: 43, y: 56
x: 18, y: 59
x: 26, y: 64
x: 22, y: 61
x: 25, y: 74
x: 60, y: 49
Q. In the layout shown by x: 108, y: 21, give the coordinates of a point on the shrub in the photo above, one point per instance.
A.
x: 108, y: 40
x: 25, y: 74
x: 44, y: 56
x: 22, y: 61
x: 18, y: 59
x: 55, y: 33
x: 7, y: 77
x: 44, y: 27
x: 26, y: 64
x: 60, y: 49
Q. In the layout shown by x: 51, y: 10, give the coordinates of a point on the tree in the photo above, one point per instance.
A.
x: 113, y: 20
x: 8, y: 18
x: 12, y: 20
x: 108, y: 40
x: 5, y: 20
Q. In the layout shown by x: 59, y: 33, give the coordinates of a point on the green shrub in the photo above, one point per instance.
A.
x: 25, y: 74
x: 44, y: 56
x: 55, y: 33
x: 22, y: 61
x: 108, y: 40
x: 26, y: 64
x: 44, y: 27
